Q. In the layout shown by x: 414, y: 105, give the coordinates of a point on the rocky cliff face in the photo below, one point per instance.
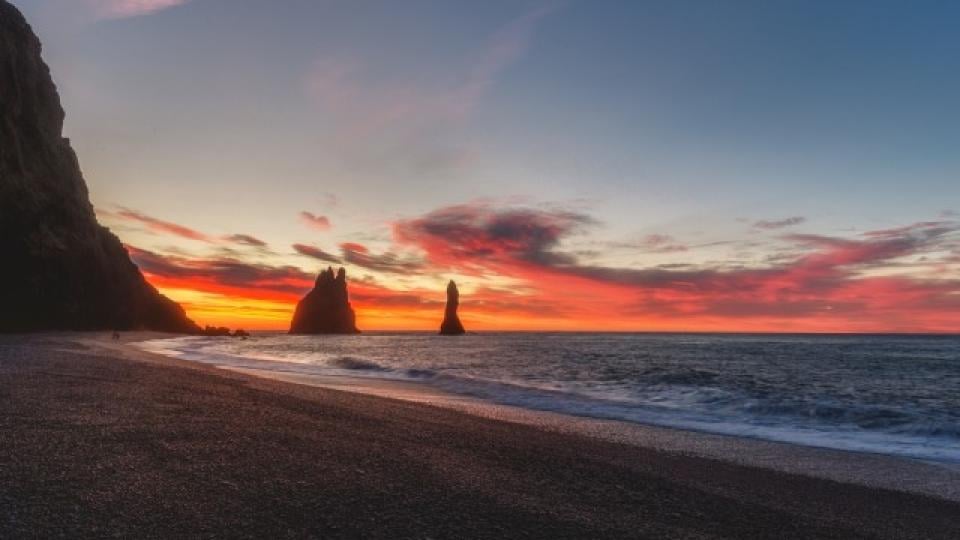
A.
x: 451, y: 325
x: 325, y: 309
x: 60, y: 269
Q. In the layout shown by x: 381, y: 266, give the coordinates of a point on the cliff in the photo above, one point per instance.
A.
x: 325, y: 309
x: 61, y: 270
x: 451, y: 325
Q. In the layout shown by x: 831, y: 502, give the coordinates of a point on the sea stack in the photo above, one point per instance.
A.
x: 326, y: 309
x: 61, y: 269
x: 451, y: 325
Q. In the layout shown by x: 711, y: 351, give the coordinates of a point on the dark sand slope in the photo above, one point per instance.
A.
x: 98, y: 446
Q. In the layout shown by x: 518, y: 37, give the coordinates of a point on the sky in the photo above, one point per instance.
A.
x: 771, y: 166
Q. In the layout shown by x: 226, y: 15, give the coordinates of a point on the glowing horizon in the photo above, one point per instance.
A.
x: 630, y: 167
x: 515, y: 274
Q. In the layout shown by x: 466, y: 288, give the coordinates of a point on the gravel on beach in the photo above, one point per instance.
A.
x: 95, y: 445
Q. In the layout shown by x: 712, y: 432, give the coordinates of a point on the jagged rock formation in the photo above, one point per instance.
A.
x: 326, y: 309
x: 451, y: 325
x: 60, y: 269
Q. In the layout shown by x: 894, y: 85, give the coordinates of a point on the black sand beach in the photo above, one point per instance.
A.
x: 97, y: 444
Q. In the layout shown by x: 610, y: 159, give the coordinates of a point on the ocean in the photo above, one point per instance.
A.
x: 896, y: 395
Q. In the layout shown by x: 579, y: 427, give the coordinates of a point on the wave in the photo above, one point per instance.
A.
x: 672, y: 395
x: 350, y: 362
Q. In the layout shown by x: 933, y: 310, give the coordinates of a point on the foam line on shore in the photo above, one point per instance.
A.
x: 871, y: 470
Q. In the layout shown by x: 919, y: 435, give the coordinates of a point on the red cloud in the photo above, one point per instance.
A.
x: 897, y: 279
x: 478, y: 235
x: 158, y: 225
x: 227, y: 276
x: 354, y: 247
x: 321, y: 223
x: 827, y: 285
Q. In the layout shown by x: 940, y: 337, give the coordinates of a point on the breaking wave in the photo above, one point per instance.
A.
x: 887, y: 394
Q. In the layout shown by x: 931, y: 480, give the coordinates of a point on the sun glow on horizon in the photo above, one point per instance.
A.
x: 571, y: 168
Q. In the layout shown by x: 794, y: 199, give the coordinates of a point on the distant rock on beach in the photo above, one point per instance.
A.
x: 61, y: 269
x: 451, y: 325
x: 325, y: 309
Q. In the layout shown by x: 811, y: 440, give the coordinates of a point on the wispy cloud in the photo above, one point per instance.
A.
x: 222, y: 275
x: 389, y: 262
x: 769, y: 225
x: 245, y: 240
x: 315, y: 253
x: 321, y: 223
x: 410, y: 121
x: 504, y: 48
x: 159, y: 225
x: 343, y: 86
x: 654, y: 243
x: 120, y: 9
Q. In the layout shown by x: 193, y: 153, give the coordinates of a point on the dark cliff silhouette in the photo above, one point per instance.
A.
x: 60, y: 269
x: 451, y: 325
x: 325, y: 309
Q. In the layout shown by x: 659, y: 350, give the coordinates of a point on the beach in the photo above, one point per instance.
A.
x: 102, y: 439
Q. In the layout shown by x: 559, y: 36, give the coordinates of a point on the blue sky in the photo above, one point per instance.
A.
x: 692, y: 120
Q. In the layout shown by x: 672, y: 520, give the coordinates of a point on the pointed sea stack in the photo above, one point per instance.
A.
x: 326, y: 309
x: 451, y: 325
x: 61, y: 269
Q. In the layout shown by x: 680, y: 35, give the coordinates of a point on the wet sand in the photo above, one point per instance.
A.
x: 941, y: 480
x: 101, y: 440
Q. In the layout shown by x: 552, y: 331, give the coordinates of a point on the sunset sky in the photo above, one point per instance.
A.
x: 573, y: 165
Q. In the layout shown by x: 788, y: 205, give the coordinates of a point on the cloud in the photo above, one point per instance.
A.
x: 344, y: 87
x: 522, y: 265
x: 656, y: 243
x: 330, y: 200
x: 388, y: 262
x: 354, y: 247
x: 406, y: 123
x: 504, y: 48
x: 245, y: 239
x: 471, y: 233
x: 849, y: 281
x: 321, y: 223
x: 316, y: 253
x: 224, y: 275
x: 243, y: 281
x: 923, y: 229
x: 779, y: 224
x: 161, y: 226
x: 120, y: 9
x: 166, y: 227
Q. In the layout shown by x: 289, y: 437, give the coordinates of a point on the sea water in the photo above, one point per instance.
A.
x: 897, y: 395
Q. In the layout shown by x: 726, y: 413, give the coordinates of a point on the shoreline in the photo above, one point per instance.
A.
x: 876, y: 470
x: 868, y: 469
x: 105, y: 440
